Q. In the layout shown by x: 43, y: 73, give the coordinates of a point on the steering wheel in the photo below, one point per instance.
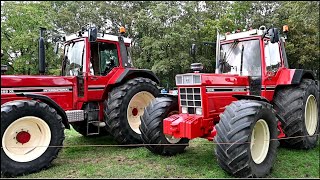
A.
x: 109, y: 66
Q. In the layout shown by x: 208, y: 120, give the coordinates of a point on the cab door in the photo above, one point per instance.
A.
x: 74, y: 66
x: 272, y: 65
x: 103, y: 63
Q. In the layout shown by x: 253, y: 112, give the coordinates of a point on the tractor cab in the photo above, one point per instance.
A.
x: 242, y: 53
x: 95, y: 54
x: 248, y: 63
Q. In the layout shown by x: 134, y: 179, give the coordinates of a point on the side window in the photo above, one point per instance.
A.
x: 104, y: 57
x: 272, y: 55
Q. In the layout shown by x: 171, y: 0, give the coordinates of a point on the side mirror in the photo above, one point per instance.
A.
x: 4, y: 68
x: 93, y: 34
x: 222, y: 55
x: 193, y: 50
x: 56, y: 48
x: 274, y: 35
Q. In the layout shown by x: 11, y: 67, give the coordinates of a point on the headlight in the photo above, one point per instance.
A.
x: 184, y: 110
x: 188, y: 79
x: 199, y: 110
x: 178, y: 79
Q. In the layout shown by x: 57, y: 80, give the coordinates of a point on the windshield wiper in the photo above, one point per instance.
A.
x: 241, y: 62
x: 227, y: 54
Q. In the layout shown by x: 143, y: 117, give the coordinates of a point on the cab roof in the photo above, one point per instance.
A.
x: 108, y: 37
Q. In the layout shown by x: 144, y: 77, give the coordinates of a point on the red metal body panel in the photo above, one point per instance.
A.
x: 184, y: 126
x: 35, y: 81
x: 32, y: 83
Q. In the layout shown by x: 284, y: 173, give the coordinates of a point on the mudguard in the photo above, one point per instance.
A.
x: 299, y: 74
x: 131, y: 73
x: 52, y: 104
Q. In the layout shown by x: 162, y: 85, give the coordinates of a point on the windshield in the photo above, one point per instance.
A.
x: 241, y: 57
x: 73, y: 59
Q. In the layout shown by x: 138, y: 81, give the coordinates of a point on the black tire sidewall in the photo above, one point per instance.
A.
x: 259, y: 170
x: 173, y: 107
x: 41, y: 111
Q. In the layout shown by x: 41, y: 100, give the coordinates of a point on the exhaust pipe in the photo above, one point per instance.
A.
x: 42, y: 60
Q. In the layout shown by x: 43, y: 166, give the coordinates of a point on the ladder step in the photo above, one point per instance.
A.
x: 93, y: 132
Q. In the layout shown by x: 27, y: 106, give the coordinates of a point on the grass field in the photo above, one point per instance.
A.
x: 198, y: 161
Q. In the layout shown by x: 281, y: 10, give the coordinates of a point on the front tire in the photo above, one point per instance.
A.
x: 300, y: 109
x: 32, y: 136
x: 152, y: 127
x: 125, y: 105
x: 247, y: 139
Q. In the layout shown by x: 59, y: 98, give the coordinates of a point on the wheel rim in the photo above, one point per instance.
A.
x: 311, y: 115
x: 260, y: 139
x: 26, y: 139
x: 136, y: 108
x: 170, y: 138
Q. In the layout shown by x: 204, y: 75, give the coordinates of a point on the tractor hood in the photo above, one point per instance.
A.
x: 35, y: 81
x: 203, y: 79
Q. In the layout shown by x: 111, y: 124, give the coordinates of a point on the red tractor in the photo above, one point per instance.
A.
x: 99, y: 92
x: 251, y: 101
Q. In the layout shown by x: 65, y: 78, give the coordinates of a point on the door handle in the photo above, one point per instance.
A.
x: 93, y: 78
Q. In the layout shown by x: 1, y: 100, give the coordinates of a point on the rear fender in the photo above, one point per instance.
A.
x: 128, y: 74
x: 250, y: 97
x: 132, y: 73
x: 300, y: 74
x: 258, y: 98
x: 51, y: 103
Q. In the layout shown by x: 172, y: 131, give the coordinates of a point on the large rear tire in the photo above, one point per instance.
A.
x: 247, y: 139
x: 32, y: 136
x: 300, y: 108
x: 125, y: 105
x: 152, y: 127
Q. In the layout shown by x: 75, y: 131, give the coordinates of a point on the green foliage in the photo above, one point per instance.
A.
x: 20, y: 33
x: 162, y: 31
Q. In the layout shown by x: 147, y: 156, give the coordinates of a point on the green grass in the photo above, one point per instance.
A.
x: 198, y: 161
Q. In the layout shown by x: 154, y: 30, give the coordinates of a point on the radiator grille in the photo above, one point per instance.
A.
x: 190, y: 98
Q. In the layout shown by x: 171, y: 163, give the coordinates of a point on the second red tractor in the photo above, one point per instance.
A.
x: 252, y: 100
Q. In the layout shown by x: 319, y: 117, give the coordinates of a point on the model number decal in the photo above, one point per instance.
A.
x: 225, y: 89
x: 55, y: 90
x: 6, y: 91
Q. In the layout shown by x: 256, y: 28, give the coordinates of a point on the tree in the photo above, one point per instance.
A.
x: 20, y: 32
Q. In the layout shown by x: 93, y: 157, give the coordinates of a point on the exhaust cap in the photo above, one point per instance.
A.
x: 196, y: 67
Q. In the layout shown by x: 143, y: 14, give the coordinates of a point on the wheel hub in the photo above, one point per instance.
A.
x: 23, y: 137
x: 135, y: 111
